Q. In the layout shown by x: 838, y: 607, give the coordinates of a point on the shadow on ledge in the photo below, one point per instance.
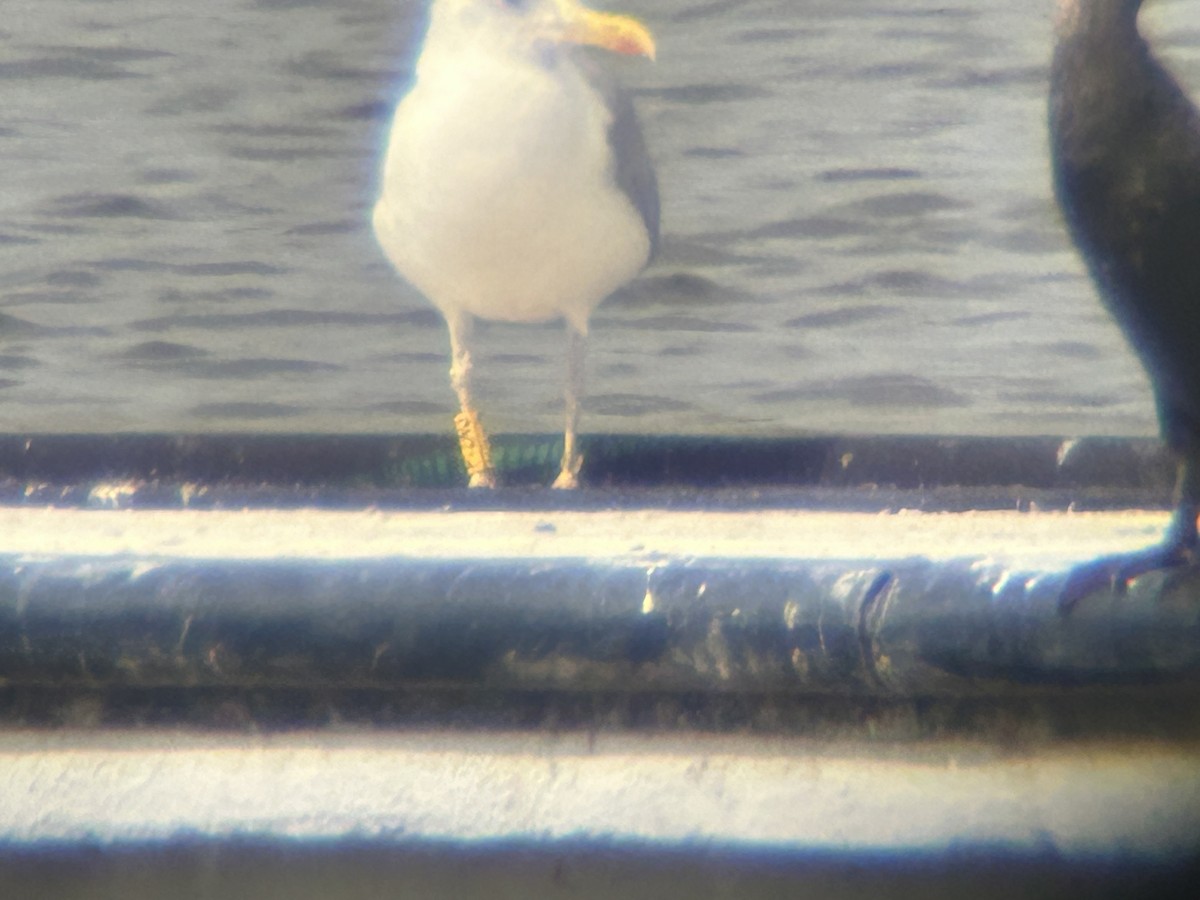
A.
x: 629, y: 470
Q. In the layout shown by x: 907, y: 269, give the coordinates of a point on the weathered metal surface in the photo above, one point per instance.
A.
x: 909, y: 628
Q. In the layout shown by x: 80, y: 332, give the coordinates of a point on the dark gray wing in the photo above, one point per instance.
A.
x: 634, y: 170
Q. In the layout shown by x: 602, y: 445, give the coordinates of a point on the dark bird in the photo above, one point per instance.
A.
x: 516, y: 185
x: 1125, y: 149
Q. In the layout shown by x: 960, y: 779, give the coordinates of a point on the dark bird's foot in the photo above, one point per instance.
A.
x: 1115, y: 572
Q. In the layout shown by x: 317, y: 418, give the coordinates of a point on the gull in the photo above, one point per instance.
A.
x: 516, y: 184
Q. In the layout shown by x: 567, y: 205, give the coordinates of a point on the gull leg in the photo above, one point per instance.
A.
x: 568, y: 476
x: 472, y: 439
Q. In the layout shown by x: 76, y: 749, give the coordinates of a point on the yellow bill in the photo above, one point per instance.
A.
x: 609, y: 31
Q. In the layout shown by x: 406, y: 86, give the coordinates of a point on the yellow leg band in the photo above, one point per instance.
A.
x: 476, y: 453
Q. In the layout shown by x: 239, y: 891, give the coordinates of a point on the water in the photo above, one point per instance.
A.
x: 858, y: 228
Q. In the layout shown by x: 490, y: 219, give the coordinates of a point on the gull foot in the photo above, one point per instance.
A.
x: 568, y: 475
x: 566, y: 481
x: 482, y: 479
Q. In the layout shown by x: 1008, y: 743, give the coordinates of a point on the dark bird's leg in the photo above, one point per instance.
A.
x: 572, y: 461
x: 1178, y: 548
x: 1182, y: 536
x: 472, y: 439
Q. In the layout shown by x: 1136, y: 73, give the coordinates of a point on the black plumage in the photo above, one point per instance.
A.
x: 1125, y: 150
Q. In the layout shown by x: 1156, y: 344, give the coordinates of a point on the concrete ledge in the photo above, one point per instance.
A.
x: 841, y: 668
x: 1086, y: 801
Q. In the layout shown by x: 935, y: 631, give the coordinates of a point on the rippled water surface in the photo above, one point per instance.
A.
x: 858, y: 228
